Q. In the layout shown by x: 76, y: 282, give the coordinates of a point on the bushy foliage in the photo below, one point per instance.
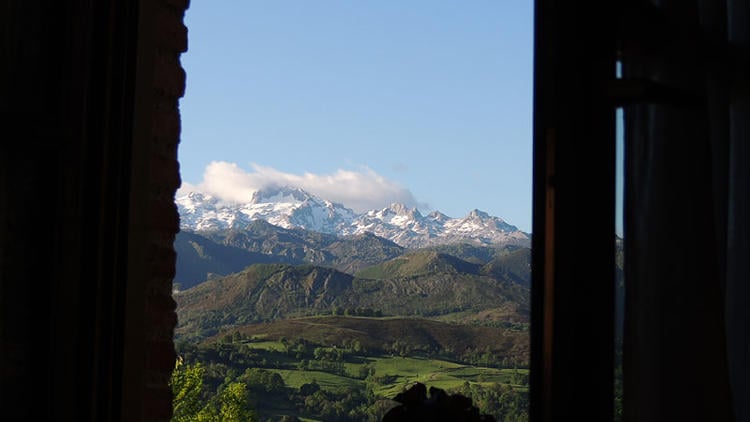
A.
x: 189, y: 403
x: 187, y: 388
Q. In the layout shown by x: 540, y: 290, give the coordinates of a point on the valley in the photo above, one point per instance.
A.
x: 328, y: 326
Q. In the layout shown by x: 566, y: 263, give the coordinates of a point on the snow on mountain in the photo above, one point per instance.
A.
x: 202, y: 212
x: 290, y: 207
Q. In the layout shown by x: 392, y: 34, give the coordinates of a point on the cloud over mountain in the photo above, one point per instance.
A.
x: 359, y: 190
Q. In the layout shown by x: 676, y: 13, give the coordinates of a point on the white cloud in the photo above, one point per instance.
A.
x: 359, y: 190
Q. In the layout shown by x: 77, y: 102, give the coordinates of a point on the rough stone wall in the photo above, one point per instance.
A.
x: 170, y: 35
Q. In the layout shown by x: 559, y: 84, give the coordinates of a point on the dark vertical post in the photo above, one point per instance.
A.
x: 738, y: 239
x: 573, y: 222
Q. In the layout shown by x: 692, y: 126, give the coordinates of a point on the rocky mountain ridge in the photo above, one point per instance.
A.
x: 290, y: 207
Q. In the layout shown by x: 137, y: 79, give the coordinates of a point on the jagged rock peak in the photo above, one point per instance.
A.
x: 438, y: 216
x: 475, y: 213
x: 401, y: 209
x: 280, y: 194
x: 291, y: 207
x: 197, y: 196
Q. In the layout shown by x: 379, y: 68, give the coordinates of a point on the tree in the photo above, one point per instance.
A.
x: 186, y: 383
x: 233, y: 405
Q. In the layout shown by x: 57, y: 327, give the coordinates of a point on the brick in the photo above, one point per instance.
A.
x: 169, y: 76
x: 161, y: 355
x: 163, y: 264
x: 157, y: 404
x: 164, y: 217
x: 178, y: 4
x: 171, y: 32
x: 166, y: 170
x: 169, y: 85
x: 166, y: 124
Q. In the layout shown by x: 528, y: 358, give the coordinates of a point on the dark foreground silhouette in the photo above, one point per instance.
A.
x: 440, y: 406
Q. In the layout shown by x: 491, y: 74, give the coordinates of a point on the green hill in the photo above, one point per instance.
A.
x: 294, y: 246
x: 199, y: 259
x: 380, y: 334
x: 201, y: 256
x: 351, y: 254
x: 515, y: 266
x: 473, y: 253
x: 428, y: 284
x: 260, y: 292
x: 418, y: 263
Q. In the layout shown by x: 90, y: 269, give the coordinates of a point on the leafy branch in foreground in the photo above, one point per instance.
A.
x: 230, y: 405
x: 186, y: 382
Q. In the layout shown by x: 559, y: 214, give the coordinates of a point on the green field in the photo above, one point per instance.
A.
x: 404, y: 371
x: 435, y: 373
x: 329, y: 368
x: 327, y: 381
x: 271, y: 346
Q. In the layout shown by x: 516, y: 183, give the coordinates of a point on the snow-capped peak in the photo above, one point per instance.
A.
x: 291, y: 207
x: 477, y: 214
x: 402, y: 210
x: 279, y: 194
x: 438, y: 216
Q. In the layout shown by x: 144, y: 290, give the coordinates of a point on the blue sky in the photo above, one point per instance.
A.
x: 423, y: 102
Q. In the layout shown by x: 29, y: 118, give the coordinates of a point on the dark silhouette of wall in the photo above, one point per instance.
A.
x: 90, y: 126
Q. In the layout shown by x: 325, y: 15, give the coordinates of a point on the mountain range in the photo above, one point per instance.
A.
x: 294, y: 208
x: 422, y: 282
x: 289, y: 254
x: 209, y: 254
